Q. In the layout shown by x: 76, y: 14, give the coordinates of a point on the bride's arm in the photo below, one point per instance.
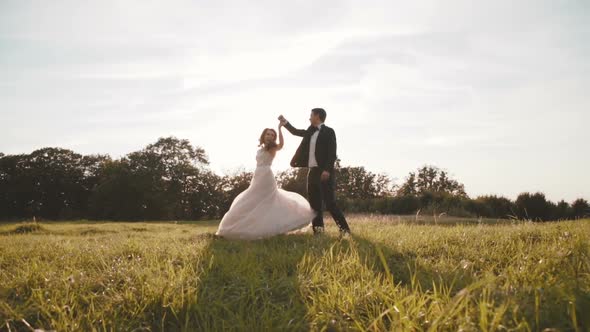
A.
x: 281, y: 139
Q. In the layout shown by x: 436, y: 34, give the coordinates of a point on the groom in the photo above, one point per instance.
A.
x: 318, y: 152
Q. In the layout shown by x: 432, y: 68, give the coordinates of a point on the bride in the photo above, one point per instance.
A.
x: 264, y: 210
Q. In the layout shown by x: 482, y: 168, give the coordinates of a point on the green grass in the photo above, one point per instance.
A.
x: 393, y: 275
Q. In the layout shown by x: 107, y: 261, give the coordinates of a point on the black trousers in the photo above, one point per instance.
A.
x: 319, y: 192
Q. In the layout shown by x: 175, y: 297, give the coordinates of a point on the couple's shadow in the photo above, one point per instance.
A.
x: 271, y: 284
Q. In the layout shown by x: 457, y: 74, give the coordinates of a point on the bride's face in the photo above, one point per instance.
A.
x: 269, y: 136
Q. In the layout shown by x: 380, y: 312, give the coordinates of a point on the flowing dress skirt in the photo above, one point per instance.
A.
x: 264, y: 210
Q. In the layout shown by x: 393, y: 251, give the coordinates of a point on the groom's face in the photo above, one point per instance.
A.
x: 314, y: 119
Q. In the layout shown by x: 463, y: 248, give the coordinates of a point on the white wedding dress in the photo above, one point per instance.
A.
x: 264, y: 210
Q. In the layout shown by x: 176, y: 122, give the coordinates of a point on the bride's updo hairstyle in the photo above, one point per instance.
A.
x: 263, y: 143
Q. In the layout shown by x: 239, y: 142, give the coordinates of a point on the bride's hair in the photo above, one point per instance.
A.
x: 263, y: 143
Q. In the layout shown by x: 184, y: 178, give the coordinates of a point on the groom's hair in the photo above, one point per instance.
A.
x: 320, y: 112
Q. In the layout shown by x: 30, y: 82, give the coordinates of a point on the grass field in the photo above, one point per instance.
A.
x: 392, y: 275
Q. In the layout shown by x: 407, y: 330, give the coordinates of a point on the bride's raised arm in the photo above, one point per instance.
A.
x: 281, y: 139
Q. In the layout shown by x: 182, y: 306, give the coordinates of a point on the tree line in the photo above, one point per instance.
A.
x: 171, y: 180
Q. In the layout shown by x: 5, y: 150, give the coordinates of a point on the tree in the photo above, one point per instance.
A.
x: 562, y: 211
x: 169, y: 168
x: 580, y: 208
x: 119, y: 195
x: 405, y: 204
x: 533, y: 206
x: 409, y: 187
x: 176, y: 155
x: 166, y: 180
x: 358, y: 183
x: 431, y: 179
x: 204, y: 195
x: 231, y: 186
x: 14, y: 186
x: 92, y: 167
x: 492, y: 207
x: 170, y: 179
x: 56, y: 189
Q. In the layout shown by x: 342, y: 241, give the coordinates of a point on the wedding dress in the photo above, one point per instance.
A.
x: 264, y: 210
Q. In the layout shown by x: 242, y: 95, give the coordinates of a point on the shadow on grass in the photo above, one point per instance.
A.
x: 244, y: 286
x: 255, y: 285
x: 405, y: 268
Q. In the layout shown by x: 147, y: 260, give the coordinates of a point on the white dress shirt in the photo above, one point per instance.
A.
x: 314, y: 138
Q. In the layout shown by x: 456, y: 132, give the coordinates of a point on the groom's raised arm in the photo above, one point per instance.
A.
x: 295, y: 131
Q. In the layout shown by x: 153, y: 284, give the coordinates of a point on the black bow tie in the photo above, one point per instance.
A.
x: 313, y: 129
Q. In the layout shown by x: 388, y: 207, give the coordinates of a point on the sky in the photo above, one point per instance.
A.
x: 494, y: 92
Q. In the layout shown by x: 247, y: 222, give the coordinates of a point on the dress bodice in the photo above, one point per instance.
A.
x: 264, y: 158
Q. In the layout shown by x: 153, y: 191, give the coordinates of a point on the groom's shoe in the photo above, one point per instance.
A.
x: 345, y: 235
x: 318, y: 230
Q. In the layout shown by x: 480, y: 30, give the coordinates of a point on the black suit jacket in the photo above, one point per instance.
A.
x: 325, y: 149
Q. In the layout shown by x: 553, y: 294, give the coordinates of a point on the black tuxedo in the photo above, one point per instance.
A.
x: 325, y: 150
x: 319, y: 192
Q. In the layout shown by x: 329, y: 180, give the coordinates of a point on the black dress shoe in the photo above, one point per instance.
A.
x: 345, y: 235
x: 318, y: 230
